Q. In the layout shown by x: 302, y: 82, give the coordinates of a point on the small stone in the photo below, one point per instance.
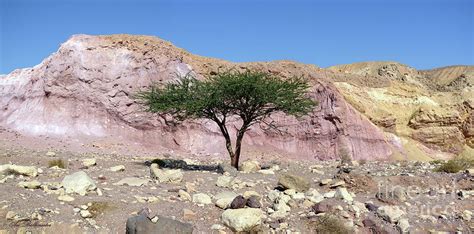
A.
x: 85, y: 214
x: 202, y: 198
x: 390, y: 213
x: 248, y: 194
x: 322, y: 207
x: 30, y: 184
x: 132, y: 181
x: 403, y: 225
x: 316, y: 171
x: 50, y: 154
x: 217, y: 227
x: 254, y: 202
x: 250, y: 166
x: 266, y: 172
x: 337, y: 184
x: 466, y: 215
x: 224, y: 181
x: 343, y: 194
x: 117, y: 168
x: 10, y: 215
x: 65, y: 198
x: 184, y: 195
x: 188, y: 214
x: 165, y: 175
x: 325, y: 181
x: 89, y: 162
x: 154, y: 219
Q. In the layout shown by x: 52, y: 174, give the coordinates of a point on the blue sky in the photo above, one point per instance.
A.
x: 421, y: 33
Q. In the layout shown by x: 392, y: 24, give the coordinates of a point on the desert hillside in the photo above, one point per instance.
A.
x: 372, y: 110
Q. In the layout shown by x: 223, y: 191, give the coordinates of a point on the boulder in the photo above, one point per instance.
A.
x: 242, y: 220
x: 165, y: 175
x: 250, y: 166
x: 18, y: 170
x: 295, y: 182
x: 390, y: 213
x: 141, y: 224
x: 132, y: 181
x: 79, y: 183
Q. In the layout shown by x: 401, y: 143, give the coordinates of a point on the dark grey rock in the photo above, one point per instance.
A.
x: 238, y: 202
x: 371, y: 207
x: 141, y: 224
x: 254, y: 202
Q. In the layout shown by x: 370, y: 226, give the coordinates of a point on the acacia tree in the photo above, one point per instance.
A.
x: 251, y: 96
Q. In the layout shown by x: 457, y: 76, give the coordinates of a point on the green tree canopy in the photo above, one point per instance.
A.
x: 251, y: 96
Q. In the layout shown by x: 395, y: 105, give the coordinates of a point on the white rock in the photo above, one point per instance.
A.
x: 19, y: 170
x: 224, y: 199
x: 403, y: 225
x: 202, y: 198
x: 217, y: 227
x: 250, y: 166
x: 225, y: 194
x: 117, y: 168
x: 165, y: 175
x: 298, y: 196
x: 184, y: 195
x: 10, y: 215
x: 390, y: 213
x: 89, y: 162
x: 281, y: 206
x: 466, y: 215
x: 66, y: 198
x: 242, y: 220
x: 330, y: 194
x: 132, y: 181
x: 85, y: 214
x: 30, y: 184
x: 79, y: 183
x: 248, y: 194
x: 343, y: 194
x: 266, y: 172
x: 273, y: 195
x: 224, y: 181
x: 50, y: 154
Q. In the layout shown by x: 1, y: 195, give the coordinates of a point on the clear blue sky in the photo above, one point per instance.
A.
x: 420, y: 33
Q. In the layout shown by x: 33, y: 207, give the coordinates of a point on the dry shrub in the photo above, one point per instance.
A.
x: 58, y: 163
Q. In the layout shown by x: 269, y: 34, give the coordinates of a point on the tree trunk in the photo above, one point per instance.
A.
x: 238, y: 144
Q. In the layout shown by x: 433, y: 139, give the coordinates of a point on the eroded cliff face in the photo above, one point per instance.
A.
x: 431, y: 110
x: 85, y: 90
